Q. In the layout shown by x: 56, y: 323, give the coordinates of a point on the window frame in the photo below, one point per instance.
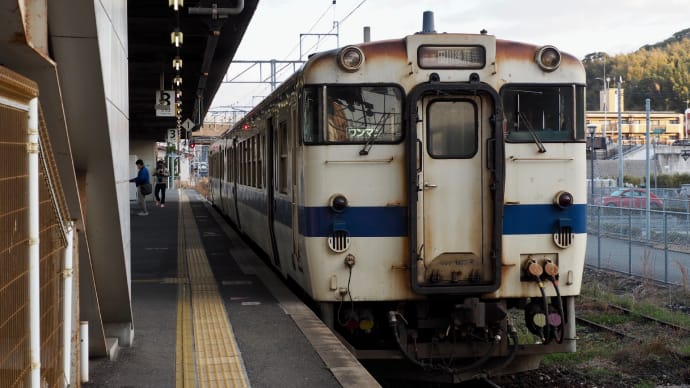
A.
x: 316, y: 120
x: 427, y: 130
x: 578, y: 133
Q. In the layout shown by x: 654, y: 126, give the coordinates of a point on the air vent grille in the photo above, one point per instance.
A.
x: 339, y: 241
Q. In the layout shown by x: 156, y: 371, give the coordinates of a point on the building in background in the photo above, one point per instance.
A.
x: 665, y: 127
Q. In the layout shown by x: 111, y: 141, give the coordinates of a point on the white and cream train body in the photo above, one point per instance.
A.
x: 422, y: 191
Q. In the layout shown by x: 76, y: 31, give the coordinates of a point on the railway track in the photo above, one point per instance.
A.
x: 638, y: 327
x: 600, y: 327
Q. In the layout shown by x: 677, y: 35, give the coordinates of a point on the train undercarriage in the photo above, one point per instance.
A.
x: 450, y: 340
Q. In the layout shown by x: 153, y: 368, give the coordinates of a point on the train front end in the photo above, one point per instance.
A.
x: 487, y: 181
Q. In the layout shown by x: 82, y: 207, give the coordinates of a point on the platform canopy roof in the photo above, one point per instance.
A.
x: 211, y: 32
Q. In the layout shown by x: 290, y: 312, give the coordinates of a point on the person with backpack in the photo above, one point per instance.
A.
x: 161, y: 175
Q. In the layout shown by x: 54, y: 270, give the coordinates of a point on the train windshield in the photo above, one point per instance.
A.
x: 352, y: 114
x: 543, y: 113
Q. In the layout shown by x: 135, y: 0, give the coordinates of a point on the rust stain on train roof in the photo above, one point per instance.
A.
x: 507, y: 50
x: 386, y: 49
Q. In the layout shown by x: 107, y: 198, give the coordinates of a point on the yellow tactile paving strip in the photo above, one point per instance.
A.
x: 185, y: 375
x: 216, y: 361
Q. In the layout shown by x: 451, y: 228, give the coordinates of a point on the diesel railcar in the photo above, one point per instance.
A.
x: 428, y: 193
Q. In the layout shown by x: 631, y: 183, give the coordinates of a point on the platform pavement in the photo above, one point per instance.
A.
x: 280, y: 341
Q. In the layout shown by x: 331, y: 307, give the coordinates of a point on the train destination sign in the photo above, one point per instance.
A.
x: 451, y: 57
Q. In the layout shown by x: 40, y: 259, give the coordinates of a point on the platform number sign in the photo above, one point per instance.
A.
x: 172, y: 136
x: 165, y: 103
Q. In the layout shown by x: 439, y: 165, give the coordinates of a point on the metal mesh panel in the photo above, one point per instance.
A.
x: 14, y: 243
x: 14, y: 287
x: 53, y: 242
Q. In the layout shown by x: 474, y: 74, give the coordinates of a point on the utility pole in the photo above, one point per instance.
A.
x: 620, y: 132
x: 647, y: 107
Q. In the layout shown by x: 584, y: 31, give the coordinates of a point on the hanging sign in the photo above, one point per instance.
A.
x: 188, y: 125
x: 172, y: 136
x: 165, y: 103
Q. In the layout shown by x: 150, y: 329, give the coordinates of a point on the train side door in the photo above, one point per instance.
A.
x: 452, y: 199
x: 293, y: 139
x: 221, y: 166
x: 271, y: 185
x: 235, y: 174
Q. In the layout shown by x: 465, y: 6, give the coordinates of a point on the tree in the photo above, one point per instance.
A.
x: 660, y: 72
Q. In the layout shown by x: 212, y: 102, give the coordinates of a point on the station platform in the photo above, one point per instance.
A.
x: 207, y: 312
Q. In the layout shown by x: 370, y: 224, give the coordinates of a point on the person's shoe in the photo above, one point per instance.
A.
x: 162, y: 205
x: 142, y: 214
x: 158, y: 203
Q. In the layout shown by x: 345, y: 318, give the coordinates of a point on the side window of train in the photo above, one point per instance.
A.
x: 282, y: 150
x: 311, y: 115
x: 452, y: 129
x: 243, y: 164
x: 258, y: 157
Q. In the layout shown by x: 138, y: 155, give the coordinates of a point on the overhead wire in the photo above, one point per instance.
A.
x: 262, y: 87
x: 351, y: 12
x: 338, y: 23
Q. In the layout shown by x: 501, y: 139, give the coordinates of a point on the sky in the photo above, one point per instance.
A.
x: 576, y: 27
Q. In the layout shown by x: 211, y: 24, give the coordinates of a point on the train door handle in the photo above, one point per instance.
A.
x: 428, y: 185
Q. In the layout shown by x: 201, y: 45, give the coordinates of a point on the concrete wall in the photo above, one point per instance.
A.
x: 89, y: 43
x: 668, y: 163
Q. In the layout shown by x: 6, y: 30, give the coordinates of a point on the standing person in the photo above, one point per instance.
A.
x: 161, y: 175
x: 143, y: 186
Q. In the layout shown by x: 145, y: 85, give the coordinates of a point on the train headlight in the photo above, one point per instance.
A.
x: 548, y: 58
x: 350, y: 58
x: 563, y: 200
x: 338, y: 203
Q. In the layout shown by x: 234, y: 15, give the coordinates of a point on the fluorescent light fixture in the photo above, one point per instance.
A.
x: 177, y: 63
x: 176, y: 4
x: 176, y: 37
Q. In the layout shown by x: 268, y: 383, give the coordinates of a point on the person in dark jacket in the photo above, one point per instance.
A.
x: 140, y: 180
x: 161, y: 175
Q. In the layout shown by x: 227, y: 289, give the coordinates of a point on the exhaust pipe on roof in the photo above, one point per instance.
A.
x: 428, y: 23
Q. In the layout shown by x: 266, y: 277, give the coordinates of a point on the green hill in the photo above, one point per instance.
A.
x: 660, y: 72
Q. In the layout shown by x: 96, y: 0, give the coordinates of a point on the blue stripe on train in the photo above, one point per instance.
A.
x: 358, y: 221
x: 543, y: 219
x: 391, y: 221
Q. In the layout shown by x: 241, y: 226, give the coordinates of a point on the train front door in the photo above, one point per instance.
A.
x: 452, y: 191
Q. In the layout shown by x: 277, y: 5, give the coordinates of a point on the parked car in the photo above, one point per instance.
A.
x: 633, y: 198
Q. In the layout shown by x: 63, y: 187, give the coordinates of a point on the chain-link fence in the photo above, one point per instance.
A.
x: 624, y: 236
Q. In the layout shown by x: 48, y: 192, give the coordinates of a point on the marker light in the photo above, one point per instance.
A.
x: 563, y: 199
x: 338, y: 203
x: 350, y: 58
x: 548, y: 58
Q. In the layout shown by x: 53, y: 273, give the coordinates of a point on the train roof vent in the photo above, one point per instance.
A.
x: 339, y: 241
